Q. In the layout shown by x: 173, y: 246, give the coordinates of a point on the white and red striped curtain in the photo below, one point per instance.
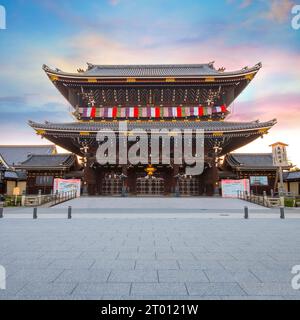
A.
x: 151, y: 112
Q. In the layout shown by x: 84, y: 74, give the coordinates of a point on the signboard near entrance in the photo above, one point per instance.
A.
x: 65, y: 185
x: 231, y: 188
x: 259, y: 181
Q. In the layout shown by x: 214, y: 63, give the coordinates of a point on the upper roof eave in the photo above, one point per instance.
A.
x: 218, y: 75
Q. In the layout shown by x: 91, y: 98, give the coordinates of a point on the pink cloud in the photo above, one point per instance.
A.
x: 284, y: 107
x: 245, y: 4
x: 114, y: 2
x: 279, y: 10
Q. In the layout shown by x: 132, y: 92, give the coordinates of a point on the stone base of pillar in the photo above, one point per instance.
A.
x: 216, y: 192
x: 85, y: 191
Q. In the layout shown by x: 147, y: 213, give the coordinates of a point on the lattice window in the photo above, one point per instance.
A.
x: 133, y: 96
x: 110, y: 96
x: 121, y: 96
x: 144, y: 96
x: 156, y: 96
x: 179, y: 96
x: 44, y: 180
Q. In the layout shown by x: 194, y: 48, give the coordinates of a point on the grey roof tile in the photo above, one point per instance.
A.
x: 293, y: 175
x: 47, y: 161
x: 14, y: 155
x: 251, y: 160
x: 151, y: 70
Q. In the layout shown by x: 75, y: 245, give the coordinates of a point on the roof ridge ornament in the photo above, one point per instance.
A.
x: 90, y: 66
x: 211, y: 64
x: 45, y: 67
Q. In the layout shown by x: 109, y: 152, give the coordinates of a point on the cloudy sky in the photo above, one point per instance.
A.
x: 68, y: 33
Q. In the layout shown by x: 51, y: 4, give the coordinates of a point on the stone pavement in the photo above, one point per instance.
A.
x: 149, y: 257
x: 158, y: 207
x: 171, y: 203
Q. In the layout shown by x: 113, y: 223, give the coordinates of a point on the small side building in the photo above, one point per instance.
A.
x: 11, y: 156
x: 257, y: 167
x: 43, y: 169
x: 292, y: 182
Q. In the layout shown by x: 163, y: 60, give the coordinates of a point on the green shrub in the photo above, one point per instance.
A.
x: 289, y: 202
x: 10, y: 201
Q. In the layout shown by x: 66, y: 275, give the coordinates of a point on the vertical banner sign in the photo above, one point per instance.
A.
x: 279, y: 152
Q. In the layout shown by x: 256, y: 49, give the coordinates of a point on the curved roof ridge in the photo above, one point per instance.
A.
x: 167, y: 65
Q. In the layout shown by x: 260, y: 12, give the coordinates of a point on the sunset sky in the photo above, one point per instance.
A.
x: 66, y: 34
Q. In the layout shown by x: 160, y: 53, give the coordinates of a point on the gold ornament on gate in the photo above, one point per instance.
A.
x: 150, y: 170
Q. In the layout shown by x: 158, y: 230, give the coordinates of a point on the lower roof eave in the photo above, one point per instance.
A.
x: 209, y: 127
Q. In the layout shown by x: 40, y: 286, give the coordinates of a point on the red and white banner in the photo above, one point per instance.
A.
x: 151, y: 112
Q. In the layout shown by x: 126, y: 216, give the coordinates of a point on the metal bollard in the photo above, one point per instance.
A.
x: 246, y: 212
x: 34, y: 213
x: 69, y: 212
x: 282, y: 216
x: 1, y: 212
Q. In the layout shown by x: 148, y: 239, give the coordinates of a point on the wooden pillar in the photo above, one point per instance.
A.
x: 168, y: 175
x: 125, y: 180
x: 100, y: 181
x: 89, y: 177
x: 175, y: 180
x: 215, y: 177
x: 131, y: 180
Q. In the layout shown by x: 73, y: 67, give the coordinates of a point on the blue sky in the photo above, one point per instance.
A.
x: 67, y: 34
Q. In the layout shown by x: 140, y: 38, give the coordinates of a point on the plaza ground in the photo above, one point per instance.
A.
x: 116, y: 248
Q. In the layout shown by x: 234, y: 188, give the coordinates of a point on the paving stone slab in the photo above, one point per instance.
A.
x: 158, y: 289
x: 182, y: 276
x: 100, y: 289
x: 215, y: 289
x: 133, y: 276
